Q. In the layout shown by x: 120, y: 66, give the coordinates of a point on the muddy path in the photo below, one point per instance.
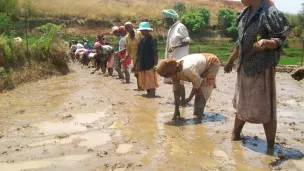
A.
x: 91, y: 122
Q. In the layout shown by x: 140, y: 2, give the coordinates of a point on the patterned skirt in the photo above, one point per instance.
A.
x: 255, y: 97
x: 148, y: 79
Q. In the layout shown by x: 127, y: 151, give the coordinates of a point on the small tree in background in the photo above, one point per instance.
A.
x: 226, y: 18
x: 179, y: 7
x: 196, y: 21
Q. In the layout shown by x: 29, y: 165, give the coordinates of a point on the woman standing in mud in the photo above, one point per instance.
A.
x: 261, y: 36
x: 132, y: 39
x: 147, y: 59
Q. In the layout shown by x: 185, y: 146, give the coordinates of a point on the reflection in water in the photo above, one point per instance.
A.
x: 207, y: 117
x: 258, y: 145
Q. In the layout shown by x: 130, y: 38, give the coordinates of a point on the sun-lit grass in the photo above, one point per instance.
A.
x: 121, y: 9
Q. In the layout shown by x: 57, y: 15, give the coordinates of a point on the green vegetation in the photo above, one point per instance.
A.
x: 196, y: 21
x: 179, y: 7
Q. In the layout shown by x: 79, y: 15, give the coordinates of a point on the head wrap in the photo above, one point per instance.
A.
x: 121, y: 28
x: 128, y: 24
x: 115, y: 28
x: 97, y: 45
x: 170, y: 13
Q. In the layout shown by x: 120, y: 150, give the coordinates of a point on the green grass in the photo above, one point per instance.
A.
x: 290, y: 56
x: 222, y: 50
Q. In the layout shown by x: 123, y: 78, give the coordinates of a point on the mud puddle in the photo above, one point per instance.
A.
x: 102, y: 124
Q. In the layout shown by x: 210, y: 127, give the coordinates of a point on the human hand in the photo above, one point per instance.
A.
x: 260, y: 45
x: 185, y: 101
x: 228, y: 66
x: 170, y: 50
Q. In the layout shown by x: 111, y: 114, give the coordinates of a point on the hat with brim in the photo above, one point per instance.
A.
x: 144, y: 26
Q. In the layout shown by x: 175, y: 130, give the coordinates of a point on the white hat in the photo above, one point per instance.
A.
x: 115, y: 28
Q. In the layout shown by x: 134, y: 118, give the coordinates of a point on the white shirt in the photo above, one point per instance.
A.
x: 122, y: 43
x: 79, y: 46
x: 193, y: 67
x: 177, y: 34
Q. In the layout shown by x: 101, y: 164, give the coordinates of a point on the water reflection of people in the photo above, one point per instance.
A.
x: 261, y: 35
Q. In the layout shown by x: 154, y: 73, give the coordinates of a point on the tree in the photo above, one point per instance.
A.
x: 226, y: 18
x: 196, y: 21
x: 5, y: 23
x: 8, y: 6
x: 179, y: 7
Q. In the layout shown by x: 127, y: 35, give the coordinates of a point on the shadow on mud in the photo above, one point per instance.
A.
x: 207, y: 118
x: 282, y: 153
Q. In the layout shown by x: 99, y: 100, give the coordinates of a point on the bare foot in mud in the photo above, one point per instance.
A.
x: 236, y: 137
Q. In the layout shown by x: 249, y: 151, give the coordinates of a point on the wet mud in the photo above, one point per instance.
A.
x: 91, y: 122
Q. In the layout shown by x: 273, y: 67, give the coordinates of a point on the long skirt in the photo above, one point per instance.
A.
x: 255, y: 97
x: 148, y: 79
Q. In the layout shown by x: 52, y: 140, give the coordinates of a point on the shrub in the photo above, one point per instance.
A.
x: 297, y: 31
x: 155, y: 22
x: 196, y: 21
x: 293, y: 19
x: 6, y: 24
x: 179, y: 7
x: 8, y: 6
x: 226, y: 18
x: 51, y: 48
x: 232, y: 31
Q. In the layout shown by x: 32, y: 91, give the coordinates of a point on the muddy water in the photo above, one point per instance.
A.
x: 92, y: 122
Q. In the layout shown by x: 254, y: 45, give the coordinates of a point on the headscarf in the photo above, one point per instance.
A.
x: 129, y: 24
x: 170, y: 13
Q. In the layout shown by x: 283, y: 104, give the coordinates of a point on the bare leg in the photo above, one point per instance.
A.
x: 270, y: 131
x: 152, y: 93
x: 199, y: 106
x: 237, y: 129
x: 96, y: 69
x: 127, y: 73
x: 110, y: 71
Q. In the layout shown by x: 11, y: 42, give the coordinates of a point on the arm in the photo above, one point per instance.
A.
x: 276, y: 26
x: 196, y: 82
x: 232, y: 58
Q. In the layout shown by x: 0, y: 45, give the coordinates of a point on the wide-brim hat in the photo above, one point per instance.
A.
x: 144, y: 26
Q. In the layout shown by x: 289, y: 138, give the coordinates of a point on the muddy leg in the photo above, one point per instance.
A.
x: 237, y: 129
x: 127, y: 75
x: 120, y: 74
x: 183, y: 92
x: 138, y: 87
x: 98, y: 68
x: 110, y: 71
x: 199, y: 106
x: 270, y: 131
x: 152, y: 93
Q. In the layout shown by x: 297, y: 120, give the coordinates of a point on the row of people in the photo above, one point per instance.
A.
x: 255, y: 96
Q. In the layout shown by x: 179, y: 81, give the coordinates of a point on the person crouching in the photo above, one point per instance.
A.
x: 147, y: 59
x: 199, y: 69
